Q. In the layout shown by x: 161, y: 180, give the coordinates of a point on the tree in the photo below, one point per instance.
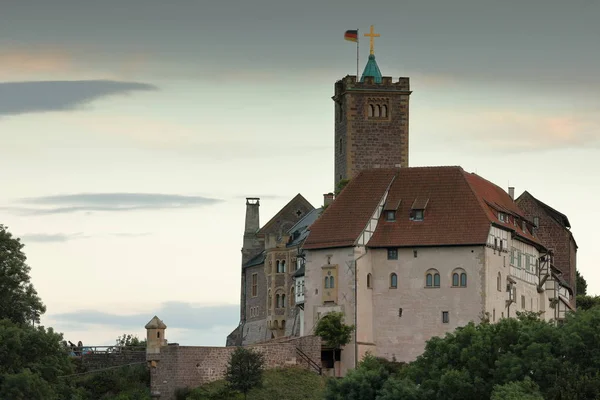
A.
x: 340, y: 186
x: 581, y: 288
x: 523, y: 390
x: 19, y: 301
x: 244, y: 370
x: 129, y: 340
x: 585, y: 302
x: 32, y: 361
x: 334, y: 332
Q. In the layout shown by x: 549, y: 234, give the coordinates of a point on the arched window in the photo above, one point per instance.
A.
x: 499, y: 282
x: 377, y: 110
x: 459, y: 278
x: 393, y: 280
x: 384, y: 111
x: 158, y: 335
x: 455, y: 279
x: 326, y: 282
x: 283, y: 266
x: 432, y: 278
x: 283, y: 301
x: 278, y: 266
x: 277, y: 301
x: 369, y: 281
x: 371, y: 110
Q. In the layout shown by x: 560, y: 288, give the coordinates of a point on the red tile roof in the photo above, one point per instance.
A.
x: 459, y: 209
x: 342, y: 222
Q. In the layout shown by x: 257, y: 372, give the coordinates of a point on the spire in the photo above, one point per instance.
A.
x: 372, y: 69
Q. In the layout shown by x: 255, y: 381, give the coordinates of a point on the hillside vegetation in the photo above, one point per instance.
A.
x: 291, y: 383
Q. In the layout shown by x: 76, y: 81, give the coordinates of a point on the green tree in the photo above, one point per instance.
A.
x: 245, y: 370
x: 19, y: 301
x: 32, y: 362
x: 363, y: 383
x: 523, y: 390
x: 585, y: 302
x: 129, y: 340
x: 334, y: 332
x: 581, y: 287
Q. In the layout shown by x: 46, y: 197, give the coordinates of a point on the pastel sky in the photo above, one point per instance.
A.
x: 133, y: 130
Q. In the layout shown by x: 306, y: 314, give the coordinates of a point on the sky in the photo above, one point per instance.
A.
x: 132, y: 131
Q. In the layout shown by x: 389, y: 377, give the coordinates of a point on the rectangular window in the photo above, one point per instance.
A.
x: 445, y: 317
x: 254, y: 285
x: 390, y: 216
x: 536, y: 221
x: 392, y: 254
x: 522, y: 302
x: 417, y: 215
x: 502, y: 217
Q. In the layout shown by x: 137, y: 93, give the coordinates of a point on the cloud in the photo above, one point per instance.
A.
x: 527, y: 131
x: 51, y: 237
x: 19, y: 62
x: 65, y: 237
x: 109, y: 202
x: 46, y: 96
x: 175, y: 314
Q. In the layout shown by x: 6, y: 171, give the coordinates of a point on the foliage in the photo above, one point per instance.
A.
x: 340, y: 186
x: 523, y: 390
x: 581, y: 287
x: 516, y: 358
x: 19, y: 301
x: 128, y: 382
x: 129, y: 340
x: 291, y: 383
x: 32, y: 360
x: 587, y: 302
x: 244, y: 370
x: 333, y: 331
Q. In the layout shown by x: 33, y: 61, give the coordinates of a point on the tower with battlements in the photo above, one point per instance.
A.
x: 371, y: 121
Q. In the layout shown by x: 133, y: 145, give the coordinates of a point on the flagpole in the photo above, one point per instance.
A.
x: 357, y: 41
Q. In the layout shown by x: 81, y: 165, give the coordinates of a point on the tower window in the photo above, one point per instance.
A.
x: 384, y: 111
x: 371, y: 110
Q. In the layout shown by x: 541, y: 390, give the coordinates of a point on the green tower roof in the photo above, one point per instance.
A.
x: 371, y: 69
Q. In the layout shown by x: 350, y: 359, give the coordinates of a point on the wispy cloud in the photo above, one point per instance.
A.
x: 108, y: 202
x: 175, y: 315
x: 51, y: 237
x: 46, y: 96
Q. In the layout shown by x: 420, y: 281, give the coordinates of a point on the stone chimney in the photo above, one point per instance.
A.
x: 511, y: 192
x: 252, y: 220
x: 327, y: 199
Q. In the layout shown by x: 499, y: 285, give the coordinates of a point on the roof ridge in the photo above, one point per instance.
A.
x: 480, y: 200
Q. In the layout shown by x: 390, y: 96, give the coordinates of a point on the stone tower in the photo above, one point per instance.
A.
x: 371, y: 122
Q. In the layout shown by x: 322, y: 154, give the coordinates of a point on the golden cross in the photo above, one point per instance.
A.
x: 372, y: 35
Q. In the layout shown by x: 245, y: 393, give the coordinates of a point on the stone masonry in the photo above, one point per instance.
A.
x: 175, y: 367
x: 363, y: 141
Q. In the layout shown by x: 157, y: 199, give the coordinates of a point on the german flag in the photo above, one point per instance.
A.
x: 351, y: 35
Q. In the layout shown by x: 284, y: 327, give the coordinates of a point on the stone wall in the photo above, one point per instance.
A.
x: 363, y: 142
x: 555, y: 236
x: 95, y: 361
x: 190, y: 366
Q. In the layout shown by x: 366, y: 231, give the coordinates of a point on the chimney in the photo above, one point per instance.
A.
x: 327, y: 199
x: 511, y: 192
x: 252, y: 221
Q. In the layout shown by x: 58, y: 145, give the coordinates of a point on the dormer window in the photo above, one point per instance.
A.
x: 390, y: 216
x: 524, y: 227
x: 502, y: 217
x: 417, y: 215
x: 417, y: 210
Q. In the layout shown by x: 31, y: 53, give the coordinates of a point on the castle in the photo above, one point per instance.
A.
x: 405, y: 253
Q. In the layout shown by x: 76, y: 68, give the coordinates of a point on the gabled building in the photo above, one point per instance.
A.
x: 270, y: 258
x: 554, y: 230
x: 412, y: 253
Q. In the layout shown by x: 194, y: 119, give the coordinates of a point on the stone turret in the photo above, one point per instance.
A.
x: 155, y: 335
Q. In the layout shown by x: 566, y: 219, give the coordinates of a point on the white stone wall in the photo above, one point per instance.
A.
x: 404, y: 337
